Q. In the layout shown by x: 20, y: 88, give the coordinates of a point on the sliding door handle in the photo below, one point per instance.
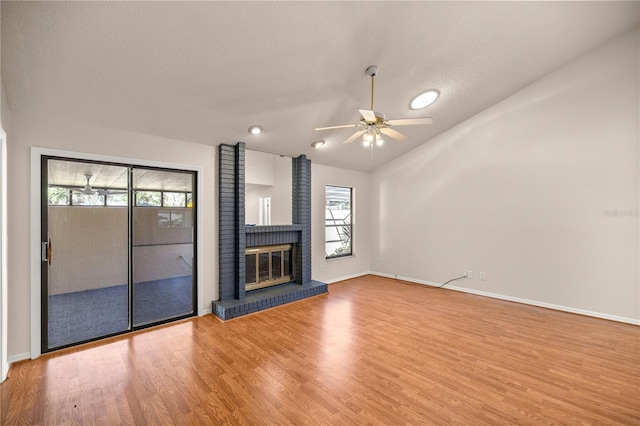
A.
x: 47, y: 251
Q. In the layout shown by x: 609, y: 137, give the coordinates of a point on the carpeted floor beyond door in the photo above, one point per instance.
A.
x: 83, y: 315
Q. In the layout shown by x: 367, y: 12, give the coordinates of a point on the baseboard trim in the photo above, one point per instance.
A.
x: 516, y: 299
x: 348, y: 277
x: 19, y: 357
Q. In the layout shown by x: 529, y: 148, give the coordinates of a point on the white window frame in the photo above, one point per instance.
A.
x: 350, y: 225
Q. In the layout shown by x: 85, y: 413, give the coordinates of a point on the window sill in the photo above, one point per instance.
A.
x: 346, y: 256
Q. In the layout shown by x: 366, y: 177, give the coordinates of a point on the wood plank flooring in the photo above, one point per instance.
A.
x: 372, y: 351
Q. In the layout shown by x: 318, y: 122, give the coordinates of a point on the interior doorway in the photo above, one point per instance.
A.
x: 118, y: 249
x: 265, y: 211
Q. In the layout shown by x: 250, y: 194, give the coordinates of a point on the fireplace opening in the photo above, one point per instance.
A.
x: 268, y: 265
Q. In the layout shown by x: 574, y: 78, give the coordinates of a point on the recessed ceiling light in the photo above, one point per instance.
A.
x: 425, y: 99
x: 255, y: 129
x: 318, y: 144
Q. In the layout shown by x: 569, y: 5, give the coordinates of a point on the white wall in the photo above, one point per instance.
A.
x: 5, y: 125
x: 268, y: 175
x: 344, y: 267
x: 90, y: 248
x: 31, y: 130
x: 158, y: 252
x: 525, y: 191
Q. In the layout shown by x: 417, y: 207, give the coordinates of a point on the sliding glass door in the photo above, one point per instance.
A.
x: 86, y: 247
x: 163, y: 252
x: 117, y: 249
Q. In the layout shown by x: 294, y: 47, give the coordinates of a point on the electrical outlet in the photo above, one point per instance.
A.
x: 321, y: 268
x: 381, y: 261
x: 465, y: 273
x: 470, y: 275
x: 483, y: 276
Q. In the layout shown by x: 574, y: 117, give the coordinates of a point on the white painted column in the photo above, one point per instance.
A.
x: 4, y: 360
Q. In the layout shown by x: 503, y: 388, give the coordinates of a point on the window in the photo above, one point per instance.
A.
x: 148, y: 198
x: 59, y: 196
x: 172, y: 219
x: 79, y: 199
x: 164, y: 199
x: 118, y: 200
x: 64, y: 196
x: 174, y: 199
x: 338, y: 221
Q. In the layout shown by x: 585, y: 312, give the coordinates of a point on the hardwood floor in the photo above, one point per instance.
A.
x: 372, y: 351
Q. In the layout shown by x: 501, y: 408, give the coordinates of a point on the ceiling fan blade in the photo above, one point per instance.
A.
x: 409, y: 121
x: 369, y: 116
x: 85, y: 191
x: 393, y: 133
x: 344, y: 126
x: 355, y: 136
x: 107, y: 192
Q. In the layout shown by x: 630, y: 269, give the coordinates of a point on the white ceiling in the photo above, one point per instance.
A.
x: 206, y: 71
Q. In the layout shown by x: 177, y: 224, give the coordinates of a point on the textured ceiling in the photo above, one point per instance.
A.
x: 206, y: 71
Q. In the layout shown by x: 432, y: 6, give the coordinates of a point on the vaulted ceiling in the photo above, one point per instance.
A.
x: 206, y: 71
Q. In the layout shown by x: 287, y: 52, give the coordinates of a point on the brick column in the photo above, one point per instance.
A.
x: 231, y: 226
x: 301, y: 192
x: 240, y: 223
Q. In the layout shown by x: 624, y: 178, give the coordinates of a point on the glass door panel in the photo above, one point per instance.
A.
x: 86, y: 292
x: 276, y: 265
x: 263, y: 267
x: 163, y: 245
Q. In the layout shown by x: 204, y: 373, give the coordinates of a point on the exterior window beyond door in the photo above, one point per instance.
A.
x: 338, y: 221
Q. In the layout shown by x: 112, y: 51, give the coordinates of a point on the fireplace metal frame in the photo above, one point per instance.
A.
x: 271, y: 281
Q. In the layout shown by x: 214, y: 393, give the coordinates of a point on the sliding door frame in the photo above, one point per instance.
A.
x: 36, y: 226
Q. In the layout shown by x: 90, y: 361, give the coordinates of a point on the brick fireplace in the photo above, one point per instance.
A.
x: 235, y: 238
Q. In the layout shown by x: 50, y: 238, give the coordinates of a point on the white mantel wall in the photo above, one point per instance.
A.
x: 268, y: 175
x: 539, y: 191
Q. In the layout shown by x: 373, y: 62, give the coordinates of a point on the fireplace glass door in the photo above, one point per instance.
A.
x: 268, y: 266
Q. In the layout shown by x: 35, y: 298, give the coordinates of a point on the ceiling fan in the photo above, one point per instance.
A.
x: 88, y: 190
x: 372, y: 124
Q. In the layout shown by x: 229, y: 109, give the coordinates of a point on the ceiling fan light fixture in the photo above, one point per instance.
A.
x: 425, y: 99
x: 318, y: 144
x: 255, y: 129
x: 367, y: 138
x: 379, y: 140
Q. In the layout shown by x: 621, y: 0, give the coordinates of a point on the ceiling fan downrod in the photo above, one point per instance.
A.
x: 371, y: 72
